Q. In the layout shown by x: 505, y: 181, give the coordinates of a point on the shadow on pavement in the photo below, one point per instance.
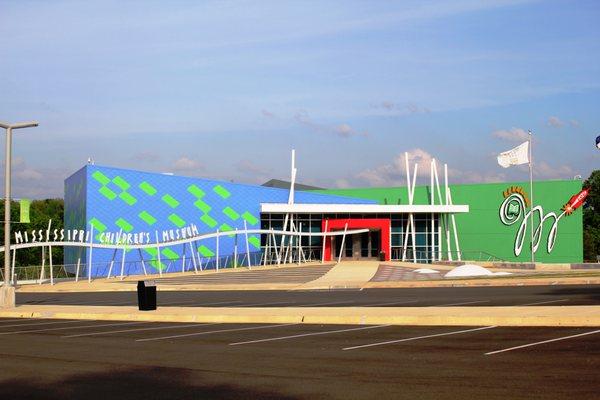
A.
x: 138, y: 383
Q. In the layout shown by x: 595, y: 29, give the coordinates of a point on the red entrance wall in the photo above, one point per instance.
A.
x: 374, y: 223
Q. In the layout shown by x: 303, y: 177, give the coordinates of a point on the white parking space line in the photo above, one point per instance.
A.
x: 542, y: 342
x: 217, y: 331
x: 308, y: 334
x: 544, y: 302
x: 42, y: 323
x: 460, y: 304
x: 418, y: 337
x: 72, y: 327
x: 326, y: 304
x: 390, y: 303
x: 140, y: 329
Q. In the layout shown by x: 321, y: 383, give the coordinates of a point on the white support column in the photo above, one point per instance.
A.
x: 247, y: 245
x: 268, y: 249
x: 342, y: 249
x: 51, y: 265
x: 194, y: 262
x: 456, y: 244
x: 324, y: 239
x: 217, y: 251
x: 77, y: 270
x: 143, y: 263
x: 432, y: 202
x: 158, y: 253
x: 42, y: 272
x: 183, y: 258
x: 112, y: 262
x: 439, y: 241
x: 277, y: 255
x: 235, y: 248
x: 298, y: 245
x: 90, y: 247
x: 122, y: 275
x: 12, y: 275
x: 447, y: 221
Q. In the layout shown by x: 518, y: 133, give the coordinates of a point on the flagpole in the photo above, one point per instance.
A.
x: 531, y: 196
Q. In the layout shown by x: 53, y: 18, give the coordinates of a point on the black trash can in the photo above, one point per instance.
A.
x: 382, y: 255
x: 146, y: 291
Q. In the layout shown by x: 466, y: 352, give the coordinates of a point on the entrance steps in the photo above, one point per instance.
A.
x: 344, y: 275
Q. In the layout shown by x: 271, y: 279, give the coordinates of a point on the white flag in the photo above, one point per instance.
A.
x: 517, y: 156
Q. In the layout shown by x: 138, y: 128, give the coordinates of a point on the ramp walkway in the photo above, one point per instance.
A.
x: 346, y: 274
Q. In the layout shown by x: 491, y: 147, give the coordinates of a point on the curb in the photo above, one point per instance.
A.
x: 547, y: 316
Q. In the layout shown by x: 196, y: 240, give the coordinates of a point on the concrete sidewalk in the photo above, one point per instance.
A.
x: 573, y: 316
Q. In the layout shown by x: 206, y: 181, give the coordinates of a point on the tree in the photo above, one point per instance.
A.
x: 41, y: 212
x: 591, y: 218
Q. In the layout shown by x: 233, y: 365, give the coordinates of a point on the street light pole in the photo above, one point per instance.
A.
x: 7, y: 293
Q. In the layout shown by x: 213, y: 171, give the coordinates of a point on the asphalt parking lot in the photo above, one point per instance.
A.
x: 563, y: 295
x: 54, y: 359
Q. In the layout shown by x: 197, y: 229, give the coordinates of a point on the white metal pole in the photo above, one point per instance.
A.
x: 247, y: 244
x: 267, y: 250
x: 14, y: 256
x: 183, y: 259
x: 7, y: 176
x: 123, y: 264
x: 112, y: 263
x: 158, y: 254
x: 531, y: 194
x: 342, y: 249
x: 194, y: 262
x: 217, y: 249
x: 277, y: 255
x: 323, y: 244
x: 42, y: 272
x: 235, y: 248
x: 51, y: 266
x: 143, y: 263
x: 77, y: 271
x: 89, y: 269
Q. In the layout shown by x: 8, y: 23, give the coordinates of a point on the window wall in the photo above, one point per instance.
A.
x: 425, y: 249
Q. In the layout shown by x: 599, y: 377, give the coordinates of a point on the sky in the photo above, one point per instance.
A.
x: 225, y: 90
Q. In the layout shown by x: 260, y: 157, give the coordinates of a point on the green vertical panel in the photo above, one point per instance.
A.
x: 24, y: 210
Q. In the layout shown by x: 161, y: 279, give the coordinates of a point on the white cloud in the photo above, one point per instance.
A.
x: 513, y: 134
x: 555, y: 122
x: 546, y: 171
x: 394, y: 172
x: 187, y: 164
x: 343, y: 130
